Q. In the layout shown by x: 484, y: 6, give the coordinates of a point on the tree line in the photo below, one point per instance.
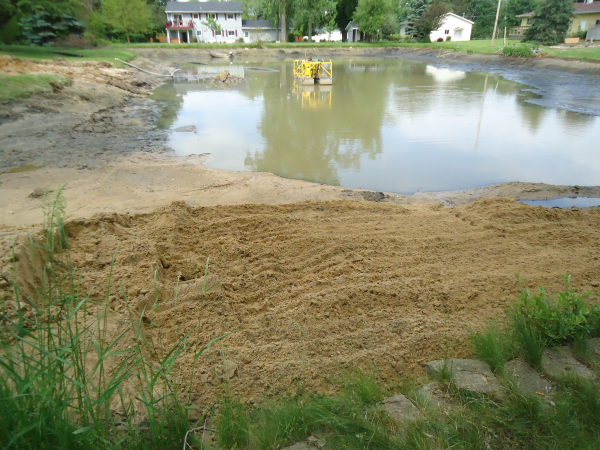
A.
x: 43, y: 21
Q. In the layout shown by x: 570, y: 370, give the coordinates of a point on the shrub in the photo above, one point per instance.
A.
x: 517, y: 50
x: 566, y: 317
x: 42, y: 28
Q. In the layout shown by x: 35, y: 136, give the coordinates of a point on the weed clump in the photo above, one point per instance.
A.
x: 517, y: 51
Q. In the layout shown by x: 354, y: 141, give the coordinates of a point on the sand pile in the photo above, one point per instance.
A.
x: 309, y: 288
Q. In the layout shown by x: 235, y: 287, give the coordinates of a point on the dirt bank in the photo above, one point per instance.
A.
x: 309, y: 288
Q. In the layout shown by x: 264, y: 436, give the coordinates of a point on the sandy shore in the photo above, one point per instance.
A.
x: 98, y: 138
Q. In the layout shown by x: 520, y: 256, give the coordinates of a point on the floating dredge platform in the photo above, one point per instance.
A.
x: 310, y: 72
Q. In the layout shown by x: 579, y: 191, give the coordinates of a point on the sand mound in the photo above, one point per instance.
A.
x: 309, y: 288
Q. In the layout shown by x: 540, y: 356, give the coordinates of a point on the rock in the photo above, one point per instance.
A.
x: 560, y: 362
x: 298, y: 446
x: 526, y: 380
x: 400, y: 408
x: 432, y: 395
x: 469, y: 375
x: 37, y: 193
x: 595, y: 346
x: 187, y: 128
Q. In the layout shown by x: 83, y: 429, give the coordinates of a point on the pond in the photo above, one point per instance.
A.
x: 393, y: 126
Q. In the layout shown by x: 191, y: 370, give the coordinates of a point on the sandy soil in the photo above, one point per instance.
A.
x: 312, y: 287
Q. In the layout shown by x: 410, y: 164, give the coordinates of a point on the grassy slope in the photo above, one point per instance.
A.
x: 38, y: 53
x: 480, y: 46
x: 21, y: 86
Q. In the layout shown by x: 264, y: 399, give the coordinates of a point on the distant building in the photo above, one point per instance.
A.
x: 453, y: 28
x: 585, y: 16
x: 186, y: 23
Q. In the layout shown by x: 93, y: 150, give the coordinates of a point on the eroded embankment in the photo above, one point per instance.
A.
x: 310, y: 288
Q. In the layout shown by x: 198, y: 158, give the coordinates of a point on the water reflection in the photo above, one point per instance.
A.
x: 388, y: 125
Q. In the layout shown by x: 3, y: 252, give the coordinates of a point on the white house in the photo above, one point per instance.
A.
x: 455, y: 27
x: 186, y: 22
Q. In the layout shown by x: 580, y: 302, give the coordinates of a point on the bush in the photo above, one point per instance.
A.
x: 42, y: 28
x: 564, y: 318
x: 517, y: 50
x: 440, y: 39
x: 581, y: 34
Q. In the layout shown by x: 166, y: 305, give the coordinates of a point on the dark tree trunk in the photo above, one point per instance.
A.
x: 284, y: 29
x: 310, y: 31
x: 344, y: 35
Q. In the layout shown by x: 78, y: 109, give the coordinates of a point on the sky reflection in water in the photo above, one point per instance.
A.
x: 390, y: 126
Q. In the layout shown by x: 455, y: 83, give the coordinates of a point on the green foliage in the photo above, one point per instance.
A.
x: 411, y: 13
x: 550, y: 22
x: 345, y: 11
x: 563, y: 318
x: 431, y: 19
x: 517, y: 50
x: 127, y: 16
x: 513, y: 8
x: 483, y: 13
x: 373, y: 16
x: 233, y: 425
x: 493, y: 346
x: 581, y: 34
x: 314, y: 13
x: 62, y: 373
x: 212, y: 25
x: 42, y: 28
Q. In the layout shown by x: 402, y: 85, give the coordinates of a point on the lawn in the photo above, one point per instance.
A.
x: 21, y: 86
x: 478, y: 46
x: 101, y: 54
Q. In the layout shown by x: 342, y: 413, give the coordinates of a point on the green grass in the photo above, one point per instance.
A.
x: 60, y: 371
x: 40, y: 53
x: 493, y: 346
x: 22, y: 86
x: 478, y: 46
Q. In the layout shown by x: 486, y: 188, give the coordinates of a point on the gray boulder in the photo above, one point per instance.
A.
x: 560, y: 363
x: 526, y: 380
x: 469, y: 375
x: 400, y: 408
x: 432, y: 395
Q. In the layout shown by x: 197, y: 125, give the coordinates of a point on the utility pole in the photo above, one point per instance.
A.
x: 496, y: 22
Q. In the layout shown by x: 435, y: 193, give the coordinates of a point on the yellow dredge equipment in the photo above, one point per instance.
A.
x: 311, y: 72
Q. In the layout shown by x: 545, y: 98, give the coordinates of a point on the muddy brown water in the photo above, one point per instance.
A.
x: 392, y: 126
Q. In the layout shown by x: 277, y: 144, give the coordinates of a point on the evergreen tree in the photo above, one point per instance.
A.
x: 127, y: 16
x: 550, y: 22
x: 431, y: 19
x: 412, y: 11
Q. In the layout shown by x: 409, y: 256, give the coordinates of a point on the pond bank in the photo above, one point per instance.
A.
x: 98, y: 136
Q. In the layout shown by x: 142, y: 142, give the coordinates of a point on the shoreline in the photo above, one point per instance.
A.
x: 114, y: 159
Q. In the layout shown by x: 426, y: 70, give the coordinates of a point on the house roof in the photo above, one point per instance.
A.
x: 209, y: 7
x: 580, y: 8
x: 460, y: 17
x: 352, y: 25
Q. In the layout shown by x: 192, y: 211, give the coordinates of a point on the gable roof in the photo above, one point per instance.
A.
x: 460, y: 17
x: 580, y: 8
x: 209, y: 7
x: 352, y: 25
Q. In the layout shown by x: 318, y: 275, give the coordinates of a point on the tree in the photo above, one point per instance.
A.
x: 411, y: 12
x: 550, y: 22
x: 483, y: 14
x: 432, y: 19
x: 513, y: 8
x: 212, y: 25
x: 127, y: 16
x: 314, y: 13
x: 42, y: 28
x: 345, y: 11
x: 373, y: 15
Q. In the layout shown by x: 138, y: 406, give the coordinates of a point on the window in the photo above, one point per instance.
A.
x: 446, y: 31
x: 230, y: 16
x: 199, y: 33
x: 218, y: 33
x: 231, y: 33
x: 598, y: 22
x: 195, y: 16
x: 245, y: 34
x: 212, y: 16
